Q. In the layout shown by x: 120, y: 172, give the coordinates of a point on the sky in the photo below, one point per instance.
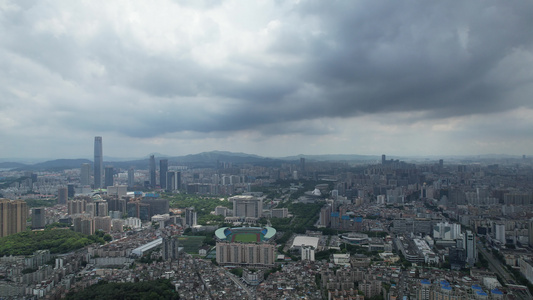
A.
x: 272, y: 78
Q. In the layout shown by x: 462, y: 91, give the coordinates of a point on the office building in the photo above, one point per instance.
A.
x: 191, y: 218
x: 98, y: 162
x: 71, y: 190
x: 446, y: 231
x: 108, y: 176
x: 158, y: 206
x: 62, y: 195
x: 499, y: 232
x: 163, y: 170
x: 152, y: 172
x: 470, y: 247
x: 13, y: 215
x: 302, y: 164
x: 173, y: 180
x: 85, y: 175
x: 280, y: 212
x: 170, y: 249
x: 38, y: 218
x: 221, y: 211
x: 131, y: 177
x: 308, y: 253
x: 247, y: 206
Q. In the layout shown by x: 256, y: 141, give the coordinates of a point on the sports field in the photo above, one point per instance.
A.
x: 246, y: 237
x: 191, y: 244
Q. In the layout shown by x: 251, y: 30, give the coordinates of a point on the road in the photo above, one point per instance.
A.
x: 496, y: 266
x: 241, y: 284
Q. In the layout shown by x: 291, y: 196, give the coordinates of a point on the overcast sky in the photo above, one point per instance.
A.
x: 272, y: 78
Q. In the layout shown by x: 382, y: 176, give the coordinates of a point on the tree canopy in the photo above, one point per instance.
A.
x: 57, y: 241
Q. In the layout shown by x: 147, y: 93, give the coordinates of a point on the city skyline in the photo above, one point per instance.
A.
x: 276, y: 79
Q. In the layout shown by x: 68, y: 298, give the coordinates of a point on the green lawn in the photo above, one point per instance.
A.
x: 191, y: 244
x: 246, y: 237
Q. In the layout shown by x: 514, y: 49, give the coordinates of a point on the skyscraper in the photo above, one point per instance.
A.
x: 152, y: 171
x: 85, y: 175
x: 13, y: 215
x: 98, y: 162
x: 62, y: 195
x: 131, y: 177
x: 38, y: 218
x: 163, y: 169
x: 108, y: 176
x: 470, y: 247
x: 173, y: 180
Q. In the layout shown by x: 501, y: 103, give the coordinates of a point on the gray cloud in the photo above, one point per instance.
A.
x: 140, y: 74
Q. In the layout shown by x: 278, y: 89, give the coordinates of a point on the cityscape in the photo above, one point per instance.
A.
x: 296, y: 149
x: 237, y: 226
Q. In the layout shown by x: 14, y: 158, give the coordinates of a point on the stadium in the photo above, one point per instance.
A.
x: 245, y: 234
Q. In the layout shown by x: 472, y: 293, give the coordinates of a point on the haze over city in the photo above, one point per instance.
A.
x: 268, y: 78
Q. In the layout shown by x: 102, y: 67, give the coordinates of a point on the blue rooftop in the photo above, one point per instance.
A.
x: 425, y: 281
x: 496, y: 292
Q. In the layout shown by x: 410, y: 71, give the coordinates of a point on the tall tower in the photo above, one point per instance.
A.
x: 163, y: 169
x: 131, y: 177
x: 98, y: 162
x: 85, y: 175
x: 62, y: 195
x: 152, y: 171
x: 108, y: 176
x: 470, y: 246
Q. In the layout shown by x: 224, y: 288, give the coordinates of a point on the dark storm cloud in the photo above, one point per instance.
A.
x: 322, y: 59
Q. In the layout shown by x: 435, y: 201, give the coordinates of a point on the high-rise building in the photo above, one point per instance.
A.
x: 499, y: 232
x: 38, y: 218
x: 71, y: 190
x: 173, y: 180
x: 247, y: 206
x: 191, y: 218
x: 13, y: 215
x: 470, y: 247
x: 131, y: 177
x: 158, y: 206
x: 152, y: 171
x: 170, y: 248
x: 383, y: 159
x: 302, y: 164
x: 62, y: 195
x: 163, y: 169
x: 85, y: 174
x: 108, y: 176
x: 530, y: 232
x: 98, y: 162
x: 248, y: 254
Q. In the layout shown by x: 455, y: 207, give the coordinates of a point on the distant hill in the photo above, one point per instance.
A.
x: 11, y: 165
x: 57, y: 164
x: 334, y: 157
x: 199, y: 160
